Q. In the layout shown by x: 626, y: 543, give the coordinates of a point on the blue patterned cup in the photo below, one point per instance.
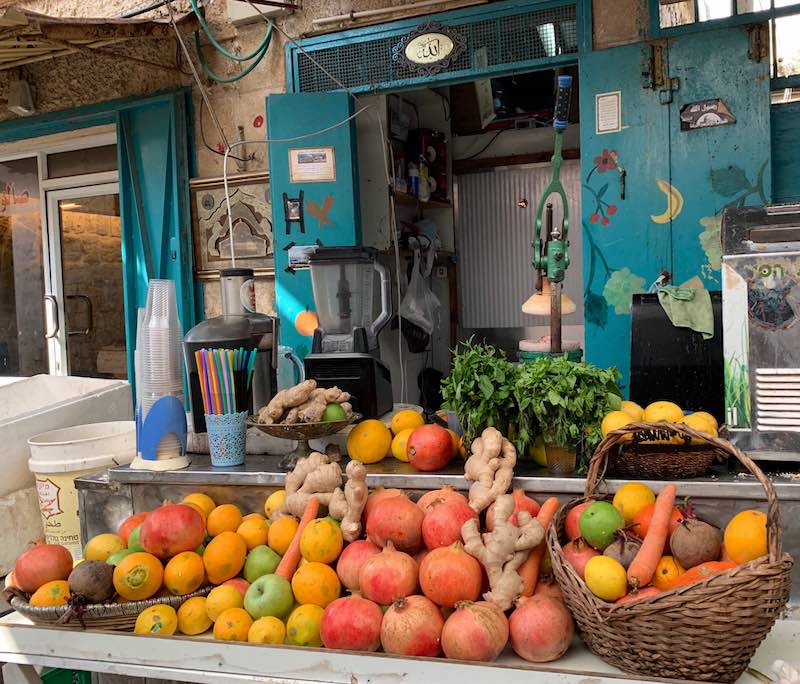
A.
x: 227, y: 436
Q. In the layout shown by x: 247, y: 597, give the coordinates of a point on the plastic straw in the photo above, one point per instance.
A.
x: 199, y: 360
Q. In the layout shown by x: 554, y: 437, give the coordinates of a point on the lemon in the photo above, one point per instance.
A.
x: 701, y: 423
x: 631, y: 498
x: 403, y: 420
x: 369, y: 441
x: 221, y: 598
x: 274, y: 502
x: 633, y: 410
x: 606, y: 578
x: 663, y: 411
x: 267, y: 630
x: 537, y: 452
x: 321, y: 541
x: 614, y: 421
x: 160, y: 619
x: 192, y: 616
x: 708, y: 417
x: 102, y: 546
x: 302, y: 627
x: 400, y: 444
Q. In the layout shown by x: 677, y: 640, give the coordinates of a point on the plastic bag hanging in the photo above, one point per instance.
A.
x: 419, y: 305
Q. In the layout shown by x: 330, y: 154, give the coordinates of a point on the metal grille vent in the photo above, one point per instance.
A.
x: 506, y: 41
x: 778, y: 399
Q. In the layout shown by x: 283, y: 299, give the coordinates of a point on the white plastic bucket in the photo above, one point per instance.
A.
x: 59, y: 457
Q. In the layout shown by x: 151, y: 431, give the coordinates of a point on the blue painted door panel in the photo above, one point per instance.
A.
x: 718, y: 166
x: 624, y: 251
x: 331, y: 209
x: 154, y: 187
x: 785, y: 152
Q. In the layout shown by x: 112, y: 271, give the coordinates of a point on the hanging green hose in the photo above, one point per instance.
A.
x: 258, y: 52
x: 235, y: 77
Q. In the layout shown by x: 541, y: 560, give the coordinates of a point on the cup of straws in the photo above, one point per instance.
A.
x: 225, y: 377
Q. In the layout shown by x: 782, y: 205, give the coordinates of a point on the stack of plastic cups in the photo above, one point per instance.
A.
x: 158, y: 357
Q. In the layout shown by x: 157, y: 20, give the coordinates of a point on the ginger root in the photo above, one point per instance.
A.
x: 350, y: 505
x: 287, y: 399
x: 490, y: 467
x: 503, y: 550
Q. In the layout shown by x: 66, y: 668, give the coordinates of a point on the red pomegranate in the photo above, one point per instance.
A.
x: 171, y: 529
x: 375, y: 497
x: 353, y: 557
x: 351, y: 623
x: 578, y: 553
x: 446, y: 493
x: 239, y: 583
x: 541, y: 629
x: 449, y: 575
x: 442, y: 523
x: 548, y: 588
x: 429, y: 448
x: 571, y: 526
x: 475, y: 631
x: 388, y: 576
x: 634, y: 596
x: 130, y: 524
x: 413, y: 627
x: 41, y: 564
x: 396, y: 519
x: 522, y: 502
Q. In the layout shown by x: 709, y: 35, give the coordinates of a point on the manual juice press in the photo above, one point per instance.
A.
x: 345, y: 350
x: 239, y: 326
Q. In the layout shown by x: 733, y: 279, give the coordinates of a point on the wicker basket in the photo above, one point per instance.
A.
x: 706, y: 631
x: 640, y: 460
x: 112, y: 616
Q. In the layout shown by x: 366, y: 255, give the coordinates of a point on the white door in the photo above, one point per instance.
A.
x: 84, y: 296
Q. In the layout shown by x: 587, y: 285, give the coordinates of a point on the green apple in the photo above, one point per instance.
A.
x: 133, y: 541
x: 115, y: 558
x: 261, y: 561
x: 270, y: 595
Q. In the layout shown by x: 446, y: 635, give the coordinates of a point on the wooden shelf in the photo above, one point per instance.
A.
x: 408, y: 200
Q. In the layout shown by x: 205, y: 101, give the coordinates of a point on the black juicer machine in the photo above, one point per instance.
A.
x: 239, y: 326
x: 345, y: 350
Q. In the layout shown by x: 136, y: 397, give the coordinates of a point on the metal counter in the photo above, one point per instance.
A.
x: 107, y: 498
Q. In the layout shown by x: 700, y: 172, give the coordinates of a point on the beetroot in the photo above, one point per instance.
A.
x: 475, y: 631
x: 541, y: 629
x: 171, y: 529
x: 695, y: 542
x: 351, y: 623
x: 388, y: 576
x: 441, y: 525
x: 446, y: 493
x: 449, y: 575
x: 429, y: 448
x: 398, y: 520
x: 413, y: 627
x: 40, y: 565
x: 522, y: 502
x: 578, y: 553
x: 623, y: 550
x: 355, y: 554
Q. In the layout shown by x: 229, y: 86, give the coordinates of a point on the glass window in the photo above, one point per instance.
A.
x: 786, y: 46
x: 79, y: 162
x: 682, y: 12
x: 677, y: 13
x: 714, y: 9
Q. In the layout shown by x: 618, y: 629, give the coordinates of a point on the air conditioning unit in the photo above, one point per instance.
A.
x: 240, y: 12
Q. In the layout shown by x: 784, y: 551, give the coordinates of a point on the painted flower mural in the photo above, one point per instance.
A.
x: 620, y: 288
x: 608, y: 160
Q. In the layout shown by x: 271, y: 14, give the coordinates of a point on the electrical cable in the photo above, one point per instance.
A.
x: 262, y: 46
x: 249, y: 158
x: 486, y: 146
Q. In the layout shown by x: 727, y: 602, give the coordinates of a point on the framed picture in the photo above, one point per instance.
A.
x: 251, y: 211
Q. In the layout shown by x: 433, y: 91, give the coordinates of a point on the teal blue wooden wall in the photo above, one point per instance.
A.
x: 786, y: 152
x: 628, y: 242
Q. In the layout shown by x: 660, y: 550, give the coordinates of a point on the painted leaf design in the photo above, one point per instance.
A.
x: 596, y: 310
x: 728, y: 181
x: 620, y: 288
x: 602, y: 191
x: 711, y: 241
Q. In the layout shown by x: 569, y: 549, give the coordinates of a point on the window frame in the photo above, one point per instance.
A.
x: 656, y: 31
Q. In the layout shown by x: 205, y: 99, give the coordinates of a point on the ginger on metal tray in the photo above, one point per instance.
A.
x: 490, y: 467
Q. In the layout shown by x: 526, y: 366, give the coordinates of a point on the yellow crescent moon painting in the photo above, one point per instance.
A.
x: 674, y: 203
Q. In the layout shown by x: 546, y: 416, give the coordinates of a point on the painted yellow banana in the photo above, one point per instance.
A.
x: 674, y: 203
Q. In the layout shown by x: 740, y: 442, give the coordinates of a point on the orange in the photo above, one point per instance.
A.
x: 667, y: 573
x: 222, y: 598
x: 631, y: 498
x: 369, y: 441
x: 253, y: 516
x: 224, y: 518
x: 203, y: 501
x: 102, y: 546
x: 281, y: 533
x: 192, y: 616
x: 274, y: 502
x: 254, y: 532
x: 316, y: 583
x: 456, y: 441
x: 184, y: 573
x: 160, y: 620
x: 746, y: 536
x: 403, y: 420
x: 55, y: 593
x: 321, y: 541
x: 400, y: 444
x: 138, y: 576
x: 233, y: 625
x: 224, y: 557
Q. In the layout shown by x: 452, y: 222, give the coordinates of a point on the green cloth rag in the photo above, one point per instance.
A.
x: 688, y: 308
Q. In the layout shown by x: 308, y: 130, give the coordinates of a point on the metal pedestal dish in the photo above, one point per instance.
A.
x: 301, y: 433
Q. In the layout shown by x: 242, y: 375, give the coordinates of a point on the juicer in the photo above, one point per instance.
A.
x: 345, y: 351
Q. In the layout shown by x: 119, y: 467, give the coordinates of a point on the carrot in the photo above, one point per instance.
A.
x: 529, y: 570
x: 644, y: 565
x: 291, y: 559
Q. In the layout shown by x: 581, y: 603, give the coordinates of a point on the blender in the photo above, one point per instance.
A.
x: 345, y: 350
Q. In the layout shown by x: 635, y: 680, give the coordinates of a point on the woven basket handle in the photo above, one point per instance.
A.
x: 600, y: 456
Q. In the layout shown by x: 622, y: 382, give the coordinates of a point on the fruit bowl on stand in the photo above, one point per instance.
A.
x: 301, y: 433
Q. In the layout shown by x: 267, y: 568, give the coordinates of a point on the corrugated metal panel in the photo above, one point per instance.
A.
x: 494, y: 244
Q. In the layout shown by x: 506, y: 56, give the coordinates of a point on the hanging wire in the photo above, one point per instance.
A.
x: 250, y: 157
x: 229, y: 79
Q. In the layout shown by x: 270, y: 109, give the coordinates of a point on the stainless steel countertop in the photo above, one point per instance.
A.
x: 262, y: 470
